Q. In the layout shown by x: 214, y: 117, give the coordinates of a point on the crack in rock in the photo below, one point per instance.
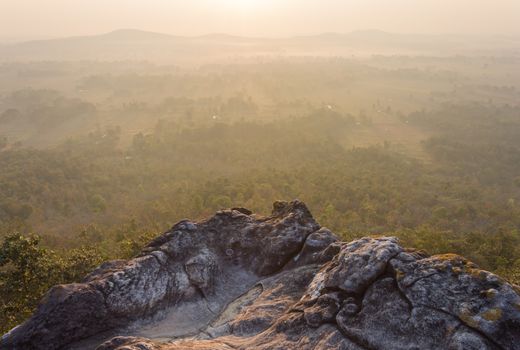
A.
x: 240, y: 281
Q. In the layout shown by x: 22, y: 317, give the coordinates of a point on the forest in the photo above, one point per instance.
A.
x: 98, y: 158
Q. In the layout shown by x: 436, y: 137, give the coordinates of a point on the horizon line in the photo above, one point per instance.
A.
x: 28, y: 39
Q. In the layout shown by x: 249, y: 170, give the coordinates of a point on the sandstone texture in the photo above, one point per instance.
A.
x: 240, y: 281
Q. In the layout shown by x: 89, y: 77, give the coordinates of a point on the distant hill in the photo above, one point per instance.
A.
x: 131, y: 44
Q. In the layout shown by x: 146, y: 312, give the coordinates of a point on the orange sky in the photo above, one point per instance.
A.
x: 54, y: 18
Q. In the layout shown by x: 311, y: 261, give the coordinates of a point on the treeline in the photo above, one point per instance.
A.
x: 90, y: 200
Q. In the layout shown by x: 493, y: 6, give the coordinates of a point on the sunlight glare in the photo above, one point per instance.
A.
x: 245, y: 5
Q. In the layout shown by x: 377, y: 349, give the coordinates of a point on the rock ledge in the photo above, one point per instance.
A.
x: 239, y: 281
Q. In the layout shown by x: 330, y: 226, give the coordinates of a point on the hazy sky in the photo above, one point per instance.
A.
x: 54, y: 18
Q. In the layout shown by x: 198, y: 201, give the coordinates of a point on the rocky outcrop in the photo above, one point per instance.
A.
x: 238, y: 281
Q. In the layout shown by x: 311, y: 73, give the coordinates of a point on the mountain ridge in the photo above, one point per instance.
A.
x: 128, y: 32
x: 134, y: 44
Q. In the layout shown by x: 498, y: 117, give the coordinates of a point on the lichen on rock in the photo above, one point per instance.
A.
x: 241, y: 281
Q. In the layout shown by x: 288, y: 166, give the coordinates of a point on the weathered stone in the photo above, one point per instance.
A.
x: 360, y: 263
x: 452, y: 285
x: 238, y: 281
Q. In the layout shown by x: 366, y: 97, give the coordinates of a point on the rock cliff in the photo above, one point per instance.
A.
x: 239, y: 281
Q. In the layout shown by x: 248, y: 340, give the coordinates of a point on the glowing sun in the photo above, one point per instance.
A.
x: 245, y: 5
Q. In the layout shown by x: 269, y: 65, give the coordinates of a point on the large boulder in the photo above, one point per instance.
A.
x: 239, y: 281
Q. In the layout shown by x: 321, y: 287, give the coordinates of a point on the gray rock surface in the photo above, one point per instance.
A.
x: 238, y: 281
